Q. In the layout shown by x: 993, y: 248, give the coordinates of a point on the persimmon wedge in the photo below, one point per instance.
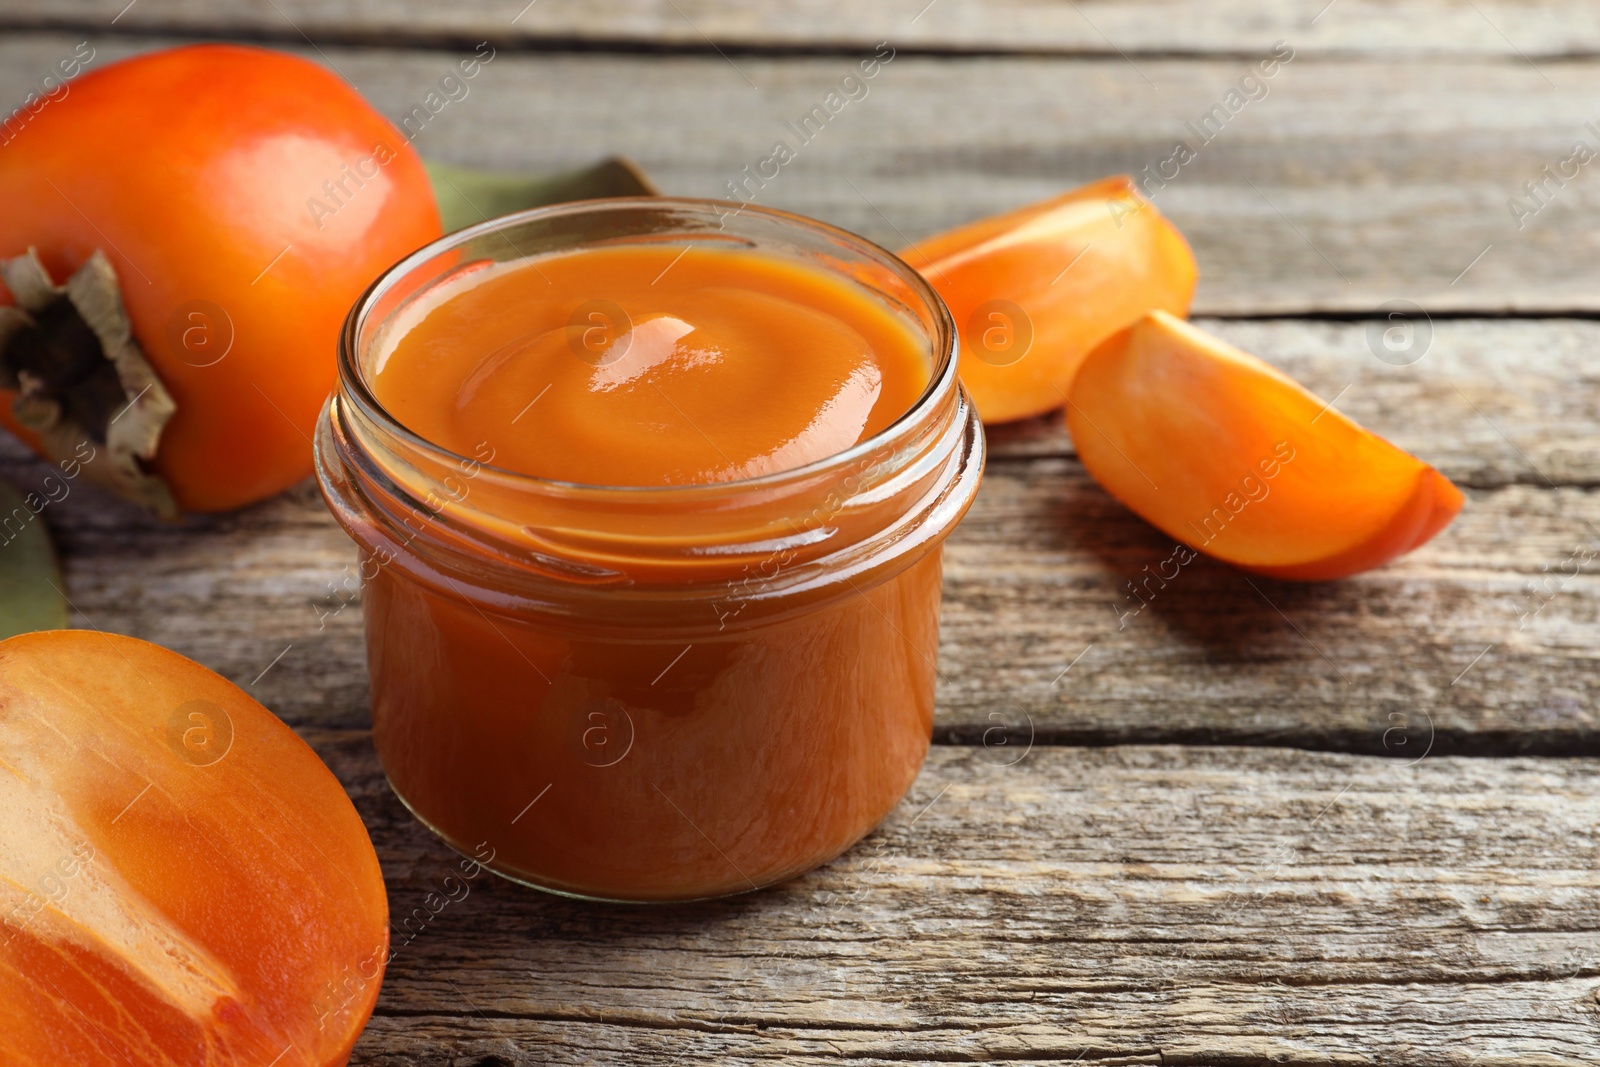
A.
x: 1235, y: 459
x: 1033, y: 290
x: 182, y: 881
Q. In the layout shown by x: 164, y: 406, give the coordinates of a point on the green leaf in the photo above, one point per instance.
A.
x: 468, y: 196
x: 28, y: 600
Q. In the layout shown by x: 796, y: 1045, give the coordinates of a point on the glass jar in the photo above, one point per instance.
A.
x: 637, y: 694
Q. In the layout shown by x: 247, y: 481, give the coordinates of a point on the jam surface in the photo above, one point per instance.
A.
x: 650, y: 365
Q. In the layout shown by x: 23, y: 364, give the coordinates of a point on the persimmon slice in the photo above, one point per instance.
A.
x: 182, y: 881
x: 1033, y: 290
x: 1237, y: 460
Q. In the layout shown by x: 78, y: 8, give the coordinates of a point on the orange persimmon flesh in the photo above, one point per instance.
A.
x: 182, y: 881
x: 1033, y: 290
x: 1233, y: 458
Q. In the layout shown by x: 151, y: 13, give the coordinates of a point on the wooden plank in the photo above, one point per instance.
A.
x: 1390, y: 662
x: 1351, y: 184
x: 1493, y: 403
x: 1547, y: 28
x: 1447, y: 647
x: 1459, y: 647
x: 1131, y: 905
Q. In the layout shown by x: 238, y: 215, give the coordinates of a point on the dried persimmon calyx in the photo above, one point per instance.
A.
x: 81, y: 379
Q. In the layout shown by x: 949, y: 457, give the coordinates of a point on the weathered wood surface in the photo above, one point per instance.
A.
x: 1133, y: 905
x: 1031, y: 902
x: 1387, y: 663
x: 1547, y: 28
x: 1493, y: 403
x: 1351, y: 184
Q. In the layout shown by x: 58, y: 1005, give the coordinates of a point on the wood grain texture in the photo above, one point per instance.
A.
x: 1493, y: 404
x: 1547, y: 28
x: 1391, y: 661
x: 1352, y: 183
x: 1129, y: 905
x: 1030, y: 902
x: 1388, y: 662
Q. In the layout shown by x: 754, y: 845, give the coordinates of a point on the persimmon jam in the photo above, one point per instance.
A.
x: 682, y: 368
x: 650, y: 504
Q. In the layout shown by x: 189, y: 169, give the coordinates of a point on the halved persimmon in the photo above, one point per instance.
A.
x: 1033, y: 290
x: 1236, y: 459
x: 182, y: 881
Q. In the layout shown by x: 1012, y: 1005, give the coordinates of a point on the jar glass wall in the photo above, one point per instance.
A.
x: 657, y: 693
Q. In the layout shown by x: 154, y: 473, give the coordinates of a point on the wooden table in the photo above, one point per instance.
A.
x: 1252, y: 823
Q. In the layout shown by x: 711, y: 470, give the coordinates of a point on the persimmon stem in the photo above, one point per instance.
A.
x: 68, y: 352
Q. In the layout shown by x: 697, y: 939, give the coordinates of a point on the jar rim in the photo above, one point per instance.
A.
x: 353, y: 383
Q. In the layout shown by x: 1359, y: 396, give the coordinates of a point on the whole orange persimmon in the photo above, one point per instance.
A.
x: 233, y: 202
